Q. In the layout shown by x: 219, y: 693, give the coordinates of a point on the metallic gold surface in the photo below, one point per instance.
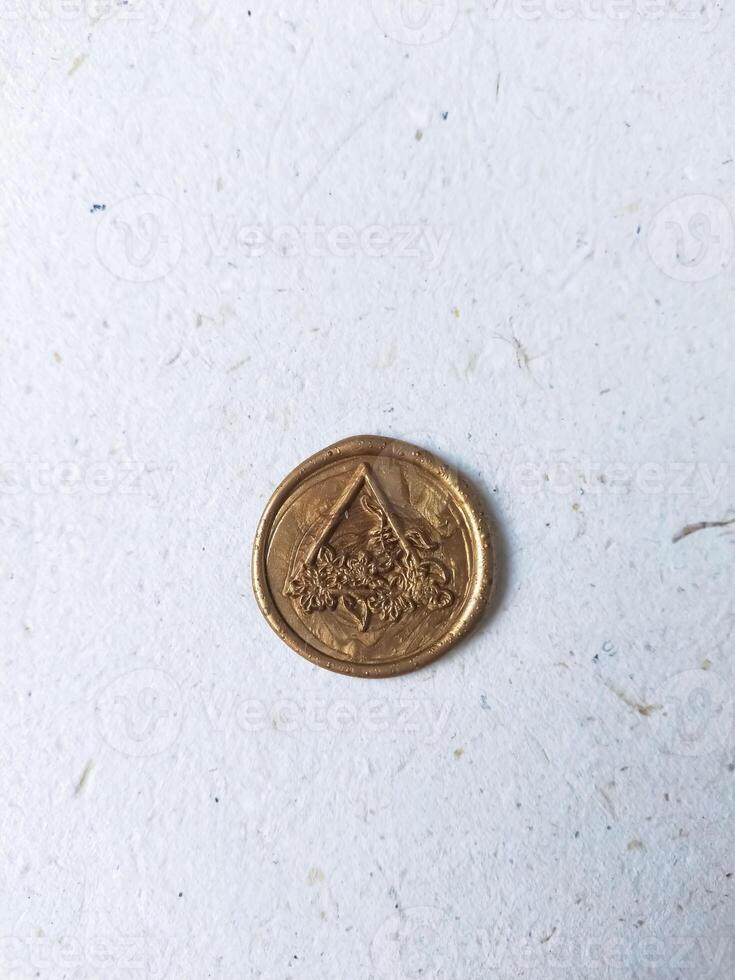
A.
x: 372, y: 558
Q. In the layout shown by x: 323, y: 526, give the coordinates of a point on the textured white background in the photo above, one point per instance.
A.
x: 502, y: 232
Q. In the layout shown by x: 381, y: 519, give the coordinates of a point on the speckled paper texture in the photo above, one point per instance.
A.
x: 232, y: 236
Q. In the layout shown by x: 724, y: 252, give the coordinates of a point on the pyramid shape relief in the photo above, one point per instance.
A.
x: 367, y: 564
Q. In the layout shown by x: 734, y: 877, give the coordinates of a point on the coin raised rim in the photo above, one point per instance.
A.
x: 483, y: 553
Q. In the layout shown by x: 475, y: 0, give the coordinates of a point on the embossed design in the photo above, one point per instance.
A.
x: 378, y: 570
x: 372, y: 558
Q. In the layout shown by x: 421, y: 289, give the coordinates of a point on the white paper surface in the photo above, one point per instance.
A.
x: 234, y: 236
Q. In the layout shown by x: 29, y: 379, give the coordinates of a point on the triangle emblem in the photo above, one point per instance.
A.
x: 365, y: 564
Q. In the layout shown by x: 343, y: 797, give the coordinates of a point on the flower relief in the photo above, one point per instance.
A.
x: 378, y: 576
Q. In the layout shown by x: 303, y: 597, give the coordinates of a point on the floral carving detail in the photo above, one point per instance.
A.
x: 315, y: 588
x: 379, y: 576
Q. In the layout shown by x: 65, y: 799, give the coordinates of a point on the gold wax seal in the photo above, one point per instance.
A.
x: 372, y: 558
